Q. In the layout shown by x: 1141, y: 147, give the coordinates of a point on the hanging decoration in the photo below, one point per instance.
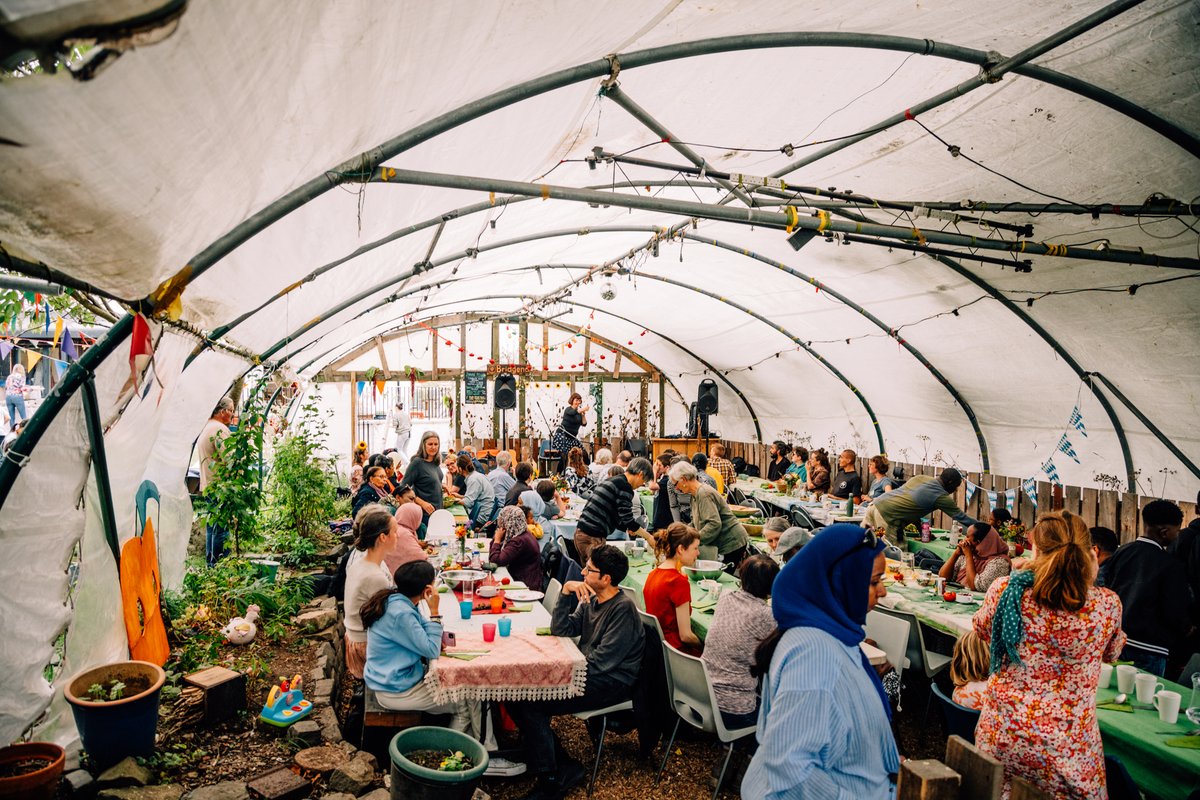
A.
x: 1064, y: 446
x: 1029, y: 487
x: 1077, y: 422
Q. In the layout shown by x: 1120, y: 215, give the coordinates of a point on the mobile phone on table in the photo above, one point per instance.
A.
x: 449, y: 639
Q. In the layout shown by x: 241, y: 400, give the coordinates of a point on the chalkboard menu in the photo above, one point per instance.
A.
x: 475, y: 388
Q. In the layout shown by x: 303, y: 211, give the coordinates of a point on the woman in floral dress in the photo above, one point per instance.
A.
x: 1049, y: 630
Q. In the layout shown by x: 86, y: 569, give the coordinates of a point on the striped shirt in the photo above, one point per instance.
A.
x: 822, y: 730
x: 609, y: 509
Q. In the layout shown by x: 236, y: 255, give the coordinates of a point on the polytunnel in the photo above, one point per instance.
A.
x: 893, y: 223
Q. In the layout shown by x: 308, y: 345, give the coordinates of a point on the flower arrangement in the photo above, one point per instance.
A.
x: 791, y: 479
x: 1012, y: 531
x: 462, y: 531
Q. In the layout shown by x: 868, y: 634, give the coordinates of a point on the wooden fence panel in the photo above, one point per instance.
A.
x: 1107, y: 511
x: 1071, y: 499
x: 1129, y: 518
x: 1088, y: 506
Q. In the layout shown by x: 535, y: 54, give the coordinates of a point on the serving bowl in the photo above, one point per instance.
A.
x: 457, y: 577
x: 703, y: 570
x: 487, y: 591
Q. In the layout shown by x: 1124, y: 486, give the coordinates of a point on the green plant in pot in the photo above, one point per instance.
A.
x: 30, y: 770
x: 116, y: 709
x: 460, y: 764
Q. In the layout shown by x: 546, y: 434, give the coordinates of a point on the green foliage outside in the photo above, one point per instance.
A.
x: 233, y: 496
x: 302, y: 491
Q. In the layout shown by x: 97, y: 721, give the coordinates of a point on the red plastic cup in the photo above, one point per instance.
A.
x: 489, y: 631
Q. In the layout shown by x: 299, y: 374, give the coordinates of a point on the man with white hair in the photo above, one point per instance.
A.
x: 501, y: 477
x: 211, y: 438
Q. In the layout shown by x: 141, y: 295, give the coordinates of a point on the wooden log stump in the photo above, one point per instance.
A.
x: 321, y: 760
x: 927, y: 780
x: 982, y: 775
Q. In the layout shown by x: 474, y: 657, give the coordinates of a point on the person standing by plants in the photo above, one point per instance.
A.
x: 14, y: 394
x: 401, y: 424
x: 211, y: 438
x: 425, y: 476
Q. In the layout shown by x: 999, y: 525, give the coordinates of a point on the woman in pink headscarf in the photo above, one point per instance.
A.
x: 406, y: 546
x: 514, y: 547
x: 980, y: 558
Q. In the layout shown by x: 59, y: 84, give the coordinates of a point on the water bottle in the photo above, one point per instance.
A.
x: 850, y: 507
x: 926, y: 532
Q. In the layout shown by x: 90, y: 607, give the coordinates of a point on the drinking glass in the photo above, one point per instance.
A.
x: 464, y: 608
x: 1193, y: 709
x: 908, y: 560
x: 504, y: 626
x: 497, y: 604
x: 489, y: 631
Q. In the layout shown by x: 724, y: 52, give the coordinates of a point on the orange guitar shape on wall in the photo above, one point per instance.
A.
x: 141, y: 586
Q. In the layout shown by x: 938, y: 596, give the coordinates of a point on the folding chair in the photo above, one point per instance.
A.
x: 603, y: 713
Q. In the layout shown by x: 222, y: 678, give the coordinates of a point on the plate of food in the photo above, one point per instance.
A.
x: 743, y: 511
x: 523, y: 595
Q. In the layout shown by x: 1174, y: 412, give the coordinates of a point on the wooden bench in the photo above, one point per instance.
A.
x: 381, y: 724
x: 967, y: 774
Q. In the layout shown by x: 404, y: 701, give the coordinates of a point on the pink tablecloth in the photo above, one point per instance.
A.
x: 523, y: 666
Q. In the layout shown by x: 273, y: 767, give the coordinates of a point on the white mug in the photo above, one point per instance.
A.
x: 1146, y: 686
x: 1125, y: 675
x: 1167, y: 704
x: 1105, y: 676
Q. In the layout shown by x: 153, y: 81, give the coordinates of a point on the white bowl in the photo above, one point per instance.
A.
x: 455, y: 577
x: 487, y: 591
x: 704, y: 569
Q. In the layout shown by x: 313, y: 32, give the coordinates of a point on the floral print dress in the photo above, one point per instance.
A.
x: 1039, y: 719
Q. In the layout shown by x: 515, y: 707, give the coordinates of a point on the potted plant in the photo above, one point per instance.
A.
x: 31, y: 770
x: 430, y: 763
x: 116, y: 709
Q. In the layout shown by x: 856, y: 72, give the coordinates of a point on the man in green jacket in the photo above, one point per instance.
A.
x: 711, y: 516
x: 919, y: 496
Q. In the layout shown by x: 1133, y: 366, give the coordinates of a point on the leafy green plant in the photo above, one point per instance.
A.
x: 97, y: 693
x: 292, y: 549
x: 301, y: 490
x: 233, y: 495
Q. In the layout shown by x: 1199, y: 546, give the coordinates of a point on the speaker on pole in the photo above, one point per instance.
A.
x: 706, y: 401
x: 506, y: 391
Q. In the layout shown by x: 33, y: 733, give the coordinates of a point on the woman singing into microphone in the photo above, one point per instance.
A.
x: 566, y: 435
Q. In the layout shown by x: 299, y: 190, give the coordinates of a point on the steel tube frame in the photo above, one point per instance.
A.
x: 317, y: 186
x: 613, y: 92
x: 1150, y: 426
x: 771, y: 219
x: 95, y: 433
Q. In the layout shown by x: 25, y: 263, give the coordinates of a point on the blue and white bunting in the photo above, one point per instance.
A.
x: 1064, y: 446
x: 1077, y: 421
x: 1051, y: 471
x: 971, y: 490
x: 1029, y: 486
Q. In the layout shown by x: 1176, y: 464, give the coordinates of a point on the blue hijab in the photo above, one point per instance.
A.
x: 825, y: 587
x: 533, y: 501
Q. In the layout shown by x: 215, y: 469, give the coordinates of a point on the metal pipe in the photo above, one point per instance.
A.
x: 770, y: 219
x: 614, y: 93
x: 1150, y: 426
x: 95, y: 434
x: 30, y: 285
x: 36, y: 269
x: 986, y: 76
x: 1045, y: 336
x: 17, y: 455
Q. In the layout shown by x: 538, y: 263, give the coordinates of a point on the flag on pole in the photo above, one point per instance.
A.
x: 1029, y: 486
x: 68, y: 346
x: 1077, y: 421
x: 1064, y: 446
x: 1051, y: 471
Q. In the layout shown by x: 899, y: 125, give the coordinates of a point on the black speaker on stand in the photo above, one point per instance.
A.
x: 706, y: 405
x: 505, y: 397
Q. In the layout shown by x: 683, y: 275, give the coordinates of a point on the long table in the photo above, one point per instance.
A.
x: 1136, y: 738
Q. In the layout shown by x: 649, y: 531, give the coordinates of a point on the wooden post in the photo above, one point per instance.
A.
x: 982, y: 775
x: 616, y: 372
x: 382, y: 356
x: 926, y: 780
x: 662, y: 406
x: 545, y: 349
x: 643, y: 404
x: 437, y: 345
x: 458, y: 398
x: 523, y: 350
x: 353, y: 411
x: 1129, y: 518
x: 495, y: 359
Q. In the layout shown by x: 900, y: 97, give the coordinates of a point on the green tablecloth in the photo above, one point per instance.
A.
x: 1161, y: 772
x: 939, y: 545
x: 647, y: 507
x: 701, y: 617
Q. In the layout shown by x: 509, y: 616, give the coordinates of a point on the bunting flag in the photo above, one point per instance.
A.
x: 1010, y: 498
x: 141, y: 349
x: 1064, y: 446
x: 58, y: 329
x: 5, y: 349
x: 46, y: 329
x: 1051, y: 471
x: 59, y: 368
x: 1029, y: 486
x: 1077, y: 421
x: 971, y: 490
x: 68, y: 346
x: 33, y: 358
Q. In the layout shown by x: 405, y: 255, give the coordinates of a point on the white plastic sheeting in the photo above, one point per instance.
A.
x: 123, y: 180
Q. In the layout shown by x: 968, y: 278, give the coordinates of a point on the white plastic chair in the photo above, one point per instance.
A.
x: 553, y: 591
x: 440, y: 527
x: 891, y: 635
x: 603, y: 713
x: 694, y: 702
x: 931, y: 663
x: 630, y: 592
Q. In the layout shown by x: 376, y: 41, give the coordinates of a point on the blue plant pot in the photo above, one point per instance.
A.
x: 113, y: 730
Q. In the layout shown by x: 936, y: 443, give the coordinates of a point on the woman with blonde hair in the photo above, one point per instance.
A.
x: 1049, y: 629
x: 14, y: 394
x: 358, y: 462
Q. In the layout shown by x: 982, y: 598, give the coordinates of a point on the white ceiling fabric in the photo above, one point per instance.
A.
x: 123, y: 180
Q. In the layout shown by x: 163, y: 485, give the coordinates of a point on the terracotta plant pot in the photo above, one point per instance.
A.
x: 41, y: 783
x: 116, y: 729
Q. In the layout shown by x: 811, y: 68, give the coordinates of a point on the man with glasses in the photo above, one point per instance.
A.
x: 611, y: 638
x: 610, y: 509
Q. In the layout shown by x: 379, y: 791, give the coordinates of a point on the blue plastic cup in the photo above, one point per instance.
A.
x: 504, y: 626
x: 465, y: 608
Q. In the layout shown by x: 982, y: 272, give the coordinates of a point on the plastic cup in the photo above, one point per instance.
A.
x: 464, y: 608
x: 489, y: 631
x: 497, y: 604
x: 505, y: 625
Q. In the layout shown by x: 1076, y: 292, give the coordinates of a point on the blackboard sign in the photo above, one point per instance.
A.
x: 475, y: 388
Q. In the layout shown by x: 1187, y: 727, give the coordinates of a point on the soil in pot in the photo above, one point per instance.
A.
x: 30, y: 771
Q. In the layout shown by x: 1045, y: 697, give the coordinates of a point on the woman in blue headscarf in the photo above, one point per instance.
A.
x: 825, y: 725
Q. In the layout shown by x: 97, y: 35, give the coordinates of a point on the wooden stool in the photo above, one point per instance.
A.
x: 381, y: 724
